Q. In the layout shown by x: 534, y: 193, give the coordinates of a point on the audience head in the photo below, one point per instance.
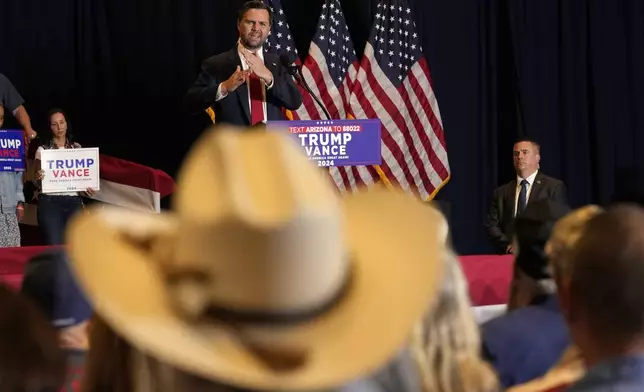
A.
x: 273, y: 280
x: 604, y: 303
x: 532, y: 228
x: 49, y: 283
x: 446, y: 344
x: 442, y: 224
x: 564, y: 238
x: 1, y: 115
x: 59, y: 125
x: 526, y: 157
x: 30, y: 358
x: 113, y: 364
x: 254, y: 24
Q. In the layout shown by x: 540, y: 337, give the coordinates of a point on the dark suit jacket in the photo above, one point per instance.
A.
x: 500, y: 218
x: 234, y: 108
x: 525, y: 343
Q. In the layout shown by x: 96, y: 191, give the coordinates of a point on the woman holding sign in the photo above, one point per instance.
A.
x: 55, y: 209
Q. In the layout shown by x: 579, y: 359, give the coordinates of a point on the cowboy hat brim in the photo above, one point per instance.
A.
x: 396, y: 270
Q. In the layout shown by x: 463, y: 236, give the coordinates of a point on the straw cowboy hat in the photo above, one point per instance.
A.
x: 262, y: 276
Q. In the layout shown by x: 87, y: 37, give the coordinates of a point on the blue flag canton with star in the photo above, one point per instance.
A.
x: 280, y: 40
x: 395, y: 40
x: 334, y: 41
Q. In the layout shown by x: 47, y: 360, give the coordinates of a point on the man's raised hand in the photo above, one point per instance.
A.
x: 257, y: 66
x: 236, y: 79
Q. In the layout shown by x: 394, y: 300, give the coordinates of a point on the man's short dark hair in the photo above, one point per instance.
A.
x: 528, y: 140
x: 255, y: 5
x: 608, y: 275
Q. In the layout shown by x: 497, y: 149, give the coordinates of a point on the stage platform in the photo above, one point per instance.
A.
x: 488, y: 275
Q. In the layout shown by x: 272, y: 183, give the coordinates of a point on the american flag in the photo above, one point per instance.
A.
x: 394, y: 84
x: 280, y: 40
x: 326, y: 67
x: 329, y: 69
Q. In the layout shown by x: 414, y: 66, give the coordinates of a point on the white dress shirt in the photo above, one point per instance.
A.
x: 260, y: 54
x: 530, y: 180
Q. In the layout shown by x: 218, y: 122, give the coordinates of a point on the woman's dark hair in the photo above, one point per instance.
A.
x: 70, y: 130
x: 30, y: 357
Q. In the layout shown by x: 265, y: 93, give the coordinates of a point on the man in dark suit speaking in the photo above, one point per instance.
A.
x: 512, y: 198
x: 245, y: 86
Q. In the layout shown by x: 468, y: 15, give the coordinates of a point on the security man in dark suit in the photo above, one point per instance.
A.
x: 245, y: 86
x: 512, y: 198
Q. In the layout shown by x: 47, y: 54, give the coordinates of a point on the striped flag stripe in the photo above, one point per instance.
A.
x: 394, y: 83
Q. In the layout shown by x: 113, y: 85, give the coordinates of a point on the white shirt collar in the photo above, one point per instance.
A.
x: 530, y: 178
x: 240, y: 47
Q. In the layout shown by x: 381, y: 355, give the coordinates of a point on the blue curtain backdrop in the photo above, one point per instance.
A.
x: 569, y: 73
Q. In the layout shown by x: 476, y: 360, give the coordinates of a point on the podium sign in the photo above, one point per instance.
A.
x: 12, y: 151
x: 70, y: 170
x: 336, y: 142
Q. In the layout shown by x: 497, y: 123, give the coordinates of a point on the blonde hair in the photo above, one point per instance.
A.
x: 565, y: 235
x: 443, y: 225
x: 446, y: 344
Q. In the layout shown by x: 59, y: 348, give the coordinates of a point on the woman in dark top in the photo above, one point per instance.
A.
x: 55, y: 209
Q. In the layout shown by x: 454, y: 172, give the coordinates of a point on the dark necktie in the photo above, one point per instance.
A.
x: 523, y: 197
x: 256, y: 99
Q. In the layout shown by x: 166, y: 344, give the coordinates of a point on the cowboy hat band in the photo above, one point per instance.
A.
x: 273, y: 318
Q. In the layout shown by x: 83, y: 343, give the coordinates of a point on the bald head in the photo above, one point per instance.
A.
x: 607, y: 285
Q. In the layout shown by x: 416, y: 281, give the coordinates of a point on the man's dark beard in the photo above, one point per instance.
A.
x: 247, y: 44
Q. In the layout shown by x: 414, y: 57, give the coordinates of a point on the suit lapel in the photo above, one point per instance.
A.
x: 242, y: 90
x: 242, y: 95
x: 270, y: 61
x: 536, y: 187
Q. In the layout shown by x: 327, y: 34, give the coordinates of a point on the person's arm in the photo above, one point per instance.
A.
x: 210, y: 88
x: 283, y: 89
x: 203, y: 92
x: 560, y: 193
x: 23, y: 119
x: 11, y: 99
x: 493, y: 223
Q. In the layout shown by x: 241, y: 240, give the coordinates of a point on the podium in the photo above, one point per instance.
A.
x: 335, y: 143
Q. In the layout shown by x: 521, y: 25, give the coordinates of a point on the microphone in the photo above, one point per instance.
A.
x: 289, y: 61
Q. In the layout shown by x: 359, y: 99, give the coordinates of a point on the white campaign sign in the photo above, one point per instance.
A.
x: 70, y: 170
